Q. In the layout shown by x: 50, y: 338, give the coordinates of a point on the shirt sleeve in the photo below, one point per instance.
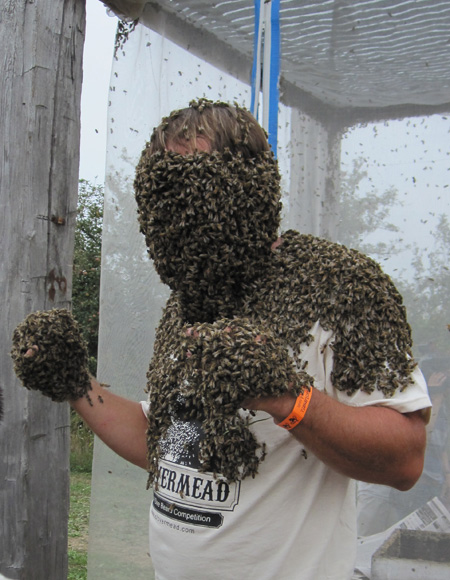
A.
x: 145, y: 407
x: 412, y: 398
x: 319, y: 357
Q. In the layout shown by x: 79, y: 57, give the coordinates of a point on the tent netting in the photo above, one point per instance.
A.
x: 364, y: 153
x: 343, y: 54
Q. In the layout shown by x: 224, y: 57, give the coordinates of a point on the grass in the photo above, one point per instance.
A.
x: 77, y: 565
x: 80, y: 492
x: 81, y: 445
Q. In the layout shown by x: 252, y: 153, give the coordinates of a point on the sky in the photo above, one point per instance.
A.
x: 97, y: 60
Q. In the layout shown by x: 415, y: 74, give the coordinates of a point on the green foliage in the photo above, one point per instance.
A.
x: 80, y: 492
x: 77, y: 565
x: 85, y: 303
x: 81, y: 445
x: 86, y: 264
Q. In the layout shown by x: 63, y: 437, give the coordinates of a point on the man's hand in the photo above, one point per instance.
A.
x: 231, y: 362
x: 50, y: 356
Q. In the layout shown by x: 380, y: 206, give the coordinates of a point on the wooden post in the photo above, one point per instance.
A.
x: 41, y: 47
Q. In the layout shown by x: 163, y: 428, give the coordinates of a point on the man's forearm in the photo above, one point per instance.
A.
x: 373, y: 444
x: 118, y: 422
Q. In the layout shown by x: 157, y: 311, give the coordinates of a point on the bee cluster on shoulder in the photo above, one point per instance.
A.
x: 311, y: 279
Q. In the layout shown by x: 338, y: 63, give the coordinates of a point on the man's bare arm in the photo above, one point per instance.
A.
x: 118, y: 422
x: 372, y: 444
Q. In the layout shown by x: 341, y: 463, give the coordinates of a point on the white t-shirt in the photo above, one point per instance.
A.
x: 295, y: 520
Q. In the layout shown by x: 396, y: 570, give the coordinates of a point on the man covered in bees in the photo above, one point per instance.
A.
x: 282, y: 369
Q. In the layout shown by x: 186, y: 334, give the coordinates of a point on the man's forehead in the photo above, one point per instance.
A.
x: 201, y: 144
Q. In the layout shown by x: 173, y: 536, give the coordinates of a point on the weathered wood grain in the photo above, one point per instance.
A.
x: 41, y: 46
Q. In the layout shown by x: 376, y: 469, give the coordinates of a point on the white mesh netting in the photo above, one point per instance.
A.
x: 380, y: 187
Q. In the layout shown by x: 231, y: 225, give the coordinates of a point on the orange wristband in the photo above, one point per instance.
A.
x: 299, y: 410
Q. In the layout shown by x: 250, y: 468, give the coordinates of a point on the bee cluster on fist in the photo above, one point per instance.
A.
x: 50, y: 355
x: 214, y: 368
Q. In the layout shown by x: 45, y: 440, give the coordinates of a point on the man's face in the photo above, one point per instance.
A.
x: 209, y: 219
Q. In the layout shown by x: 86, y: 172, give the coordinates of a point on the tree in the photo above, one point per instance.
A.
x: 428, y: 293
x: 362, y: 215
x: 425, y: 285
x: 85, y: 302
x: 87, y: 265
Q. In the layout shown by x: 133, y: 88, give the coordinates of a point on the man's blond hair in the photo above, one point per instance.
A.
x: 222, y: 125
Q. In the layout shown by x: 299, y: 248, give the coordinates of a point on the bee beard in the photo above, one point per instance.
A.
x: 210, y: 273
x: 209, y: 222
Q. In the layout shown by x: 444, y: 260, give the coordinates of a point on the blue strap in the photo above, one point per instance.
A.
x: 267, y: 30
x: 274, y: 92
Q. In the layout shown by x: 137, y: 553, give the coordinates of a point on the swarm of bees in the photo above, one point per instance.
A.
x: 310, y: 280
x: 57, y: 365
x: 209, y: 221
x: 207, y: 373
